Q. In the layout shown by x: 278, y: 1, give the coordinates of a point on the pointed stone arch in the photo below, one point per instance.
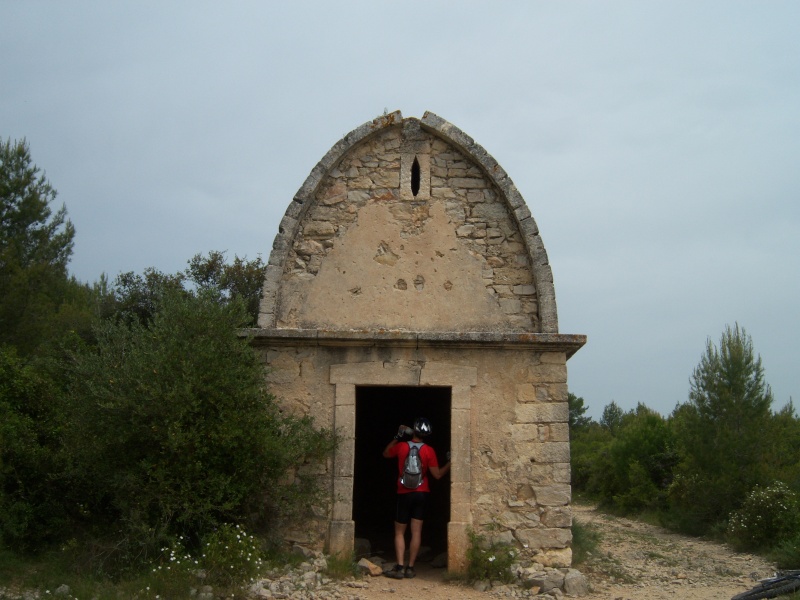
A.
x: 306, y: 196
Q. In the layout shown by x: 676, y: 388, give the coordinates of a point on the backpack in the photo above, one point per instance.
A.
x: 412, y: 468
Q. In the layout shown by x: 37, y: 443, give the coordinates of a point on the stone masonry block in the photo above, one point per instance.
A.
x: 544, y: 537
x: 344, y: 458
x: 559, y: 432
x: 557, y: 412
x: 288, y: 227
x: 552, y: 392
x: 345, y: 420
x: 342, y: 498
x: 544, y: 452
x: 341, y: 535
x: 526, y: 392
x: 548, y: 373
x: 562, y: 473
x: 557, y: 558
x: 557, y: 516
x: 525, y: 432
x: 553, y: 495
x: 457, y: 546
x: 523, y: 212
x: 460, y: 445
x: 556, y: 358
x: 345, y: 394
x: 461, y: 397
x: 268, y: 304
x: 436, y: 373
x: 460, y: 493
x: 461, y: 511
x: 375, y: 373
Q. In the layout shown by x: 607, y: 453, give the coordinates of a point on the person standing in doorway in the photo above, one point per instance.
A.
x: 416, y: 460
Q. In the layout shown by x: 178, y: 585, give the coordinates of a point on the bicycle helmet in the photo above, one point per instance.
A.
x: 422, y: 427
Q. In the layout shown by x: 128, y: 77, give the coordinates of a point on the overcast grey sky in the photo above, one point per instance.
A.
x: 656, y: 144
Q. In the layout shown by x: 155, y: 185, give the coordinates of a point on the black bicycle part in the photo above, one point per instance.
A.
x: 785, y: 583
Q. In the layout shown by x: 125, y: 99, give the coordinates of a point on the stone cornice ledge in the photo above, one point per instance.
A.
x: 544, y: 342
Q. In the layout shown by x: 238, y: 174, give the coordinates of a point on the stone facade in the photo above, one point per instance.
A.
x: 408, y: 258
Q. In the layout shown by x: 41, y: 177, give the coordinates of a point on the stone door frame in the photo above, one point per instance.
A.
x: 461, y: 380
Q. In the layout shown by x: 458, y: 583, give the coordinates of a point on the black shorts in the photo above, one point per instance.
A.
x: 410, y: 506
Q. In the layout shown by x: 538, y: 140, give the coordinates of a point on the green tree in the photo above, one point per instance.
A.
x: 577, y: 412
x: 589, y: 452
x: 612, y: 417
x: 242, y: 279
x: 783, y: 447
x: 172, y: 432
x: 721, y: 430
x: 641, y: 462
x: 31, y: 511
x: 137, y: 297
x: 35, y: 247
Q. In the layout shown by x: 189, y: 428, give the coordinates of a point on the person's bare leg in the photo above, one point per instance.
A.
x: 416, y: 540
x: 400, y: 541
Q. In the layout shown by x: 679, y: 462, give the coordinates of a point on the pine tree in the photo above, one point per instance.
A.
x: 722, y: 426
x: 35, y: 247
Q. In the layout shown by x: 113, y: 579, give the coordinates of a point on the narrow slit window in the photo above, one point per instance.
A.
x: 415, y: 177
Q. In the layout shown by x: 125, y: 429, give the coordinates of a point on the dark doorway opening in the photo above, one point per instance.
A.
x: 380, y: 410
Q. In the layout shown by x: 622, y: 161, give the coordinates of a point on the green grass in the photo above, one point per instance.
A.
x: 341, y: 567
x: 48, y: 572
x: 585, y: 540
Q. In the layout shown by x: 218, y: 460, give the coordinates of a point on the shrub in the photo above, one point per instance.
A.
x: 489, y: 561
x: 31, y: 513
x: 770, y: 515
x: 786, y: 555
x: 227, y: 558
x: 231, y: 556
x: 172, y: 432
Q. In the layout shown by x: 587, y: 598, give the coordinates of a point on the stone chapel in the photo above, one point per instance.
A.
x: 409, y: 278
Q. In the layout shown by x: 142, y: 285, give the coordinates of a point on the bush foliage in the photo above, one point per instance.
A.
x: 711, y: 466
x: 132, y: 413
x: 489, y: 561
x: 769, y: 516
x: 172, y: 432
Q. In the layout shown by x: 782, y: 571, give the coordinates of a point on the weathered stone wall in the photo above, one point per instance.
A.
x: 370, y: 255
x: 516, y: 450
x: 409, y: 258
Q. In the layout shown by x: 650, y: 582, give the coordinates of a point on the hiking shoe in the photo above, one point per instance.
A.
x: 410, y: 573
x: 395, y: 573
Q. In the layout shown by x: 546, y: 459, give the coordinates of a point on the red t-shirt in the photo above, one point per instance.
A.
x: 427, y: 457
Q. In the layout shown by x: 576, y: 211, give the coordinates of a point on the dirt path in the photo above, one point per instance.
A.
x: 635, y: 561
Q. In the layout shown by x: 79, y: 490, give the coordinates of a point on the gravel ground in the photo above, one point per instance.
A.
x: 634, y: 561
x: 637, y: 561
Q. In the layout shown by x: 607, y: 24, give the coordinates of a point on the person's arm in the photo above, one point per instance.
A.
x: 387, y: 451
x: 439, y: 472
x: 403, y: 430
